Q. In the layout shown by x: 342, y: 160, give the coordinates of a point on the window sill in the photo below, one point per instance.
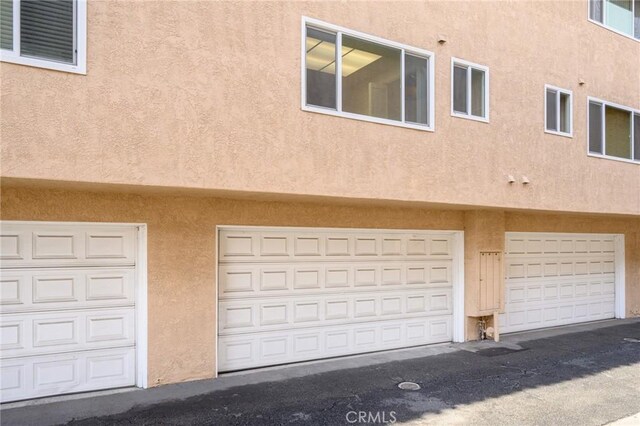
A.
x: 608, y: 157
x: 606, y: 27
x: 470, y: 117
x: 10, y: 57
x: 359, y: 117
x: 563, y: 134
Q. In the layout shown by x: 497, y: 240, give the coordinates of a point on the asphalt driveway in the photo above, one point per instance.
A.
x: 587, y: 377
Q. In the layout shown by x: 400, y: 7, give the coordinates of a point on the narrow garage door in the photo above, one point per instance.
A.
x: 557, y: 279
x: 67, y: 308
x: 289, y: 294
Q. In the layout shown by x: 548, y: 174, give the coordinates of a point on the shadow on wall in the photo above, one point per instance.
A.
x: 448, y: 381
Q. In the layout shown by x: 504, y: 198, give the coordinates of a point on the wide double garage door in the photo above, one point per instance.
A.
x: 558, y: 279
x: 68, y: 308
x: 291, y: 294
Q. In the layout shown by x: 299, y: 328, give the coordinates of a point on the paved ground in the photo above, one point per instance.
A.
x: 586, y: 377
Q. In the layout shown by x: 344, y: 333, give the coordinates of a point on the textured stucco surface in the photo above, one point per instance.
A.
x: 182, y: 249
x: 206, y: 94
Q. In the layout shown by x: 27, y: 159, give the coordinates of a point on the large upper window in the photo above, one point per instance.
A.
x: 622, y: 16
x: 469, y: 90
x: 44, y: 33
x: 614, y: 130
x: 557, y: 111
x: 369, y: 79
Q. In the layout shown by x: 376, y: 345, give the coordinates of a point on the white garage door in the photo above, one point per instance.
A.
x: 290, y: 294
x: 557, y: 279
x: 67, y: 308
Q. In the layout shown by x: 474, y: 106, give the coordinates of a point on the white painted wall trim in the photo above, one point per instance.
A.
x: 142, y: 318
x: 458, y: 288
x: 620, y: 304
x: 216, y: 349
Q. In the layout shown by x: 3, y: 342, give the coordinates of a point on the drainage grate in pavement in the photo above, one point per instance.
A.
x: 498, y: 351
x: 409, y: 386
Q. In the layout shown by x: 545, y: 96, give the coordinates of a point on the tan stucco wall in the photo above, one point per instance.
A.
x: 206, y: 94
x: 181, y: 251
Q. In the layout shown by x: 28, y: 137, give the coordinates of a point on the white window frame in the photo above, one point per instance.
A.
x: 558, y: 91
x: 80, y: 43
x: 470, y: 66
x: 604, y: 103
x: 604, y: 15
x: 338, y: 112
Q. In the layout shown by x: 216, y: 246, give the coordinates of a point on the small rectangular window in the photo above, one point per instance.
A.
x: 416, y: 89
x: 552, y: 113
x: 636, y: 19
x: 6, y: 24
x: 617, y: 134
x: 565, y: 112
x: 595, y: 10
x: 595, y: 127
x: 618, y: 14
x: 371, y: 79
x: 477, y: 92
x: 470, y: 90
x: 636, y: 136
x: 614, y: 130
x: 366, y: 78
x: 558, y: 113
x: 460, y: 89
x: 321, y: 68
x: 44, y: 33
x: 622, y: 16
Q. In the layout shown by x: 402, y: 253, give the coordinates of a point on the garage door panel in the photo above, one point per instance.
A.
x: 55, y: 245
x: 299, y: 246
x: 54, y: 289
x: 242, y: 316
x: 28, y: 334
x: 44, y: 375
x: 260, y: 349
x: 247, y: 280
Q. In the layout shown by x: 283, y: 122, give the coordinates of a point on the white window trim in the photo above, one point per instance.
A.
x: 430, y: 56
x: 603, y: 25
x: 80, y: 38
x: 604, y: 103
x: 558, y: 91
x: 457, y: 61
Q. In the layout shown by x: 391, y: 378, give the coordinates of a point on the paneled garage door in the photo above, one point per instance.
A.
x: 290, y: 294
x: 68, y: 308
x: 557, y: 279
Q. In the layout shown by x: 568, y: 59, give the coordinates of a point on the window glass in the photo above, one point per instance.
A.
x: 619, y: 15
x: 6, y: 24
x: 371, y: 79
x: 617, y: 132
x: 595, y: 10
x: 321, y: 68
x: 46, y: 29
x: 460, y: 89
x: 636, y: 19
x: 595, y: 127
x: 551, y: 110
x: 477, y: 93
x: 416, y: 90
x: 636, y: 136
x: 565, y: 113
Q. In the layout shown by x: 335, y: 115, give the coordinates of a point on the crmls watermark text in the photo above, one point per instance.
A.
x: 369, y: 417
